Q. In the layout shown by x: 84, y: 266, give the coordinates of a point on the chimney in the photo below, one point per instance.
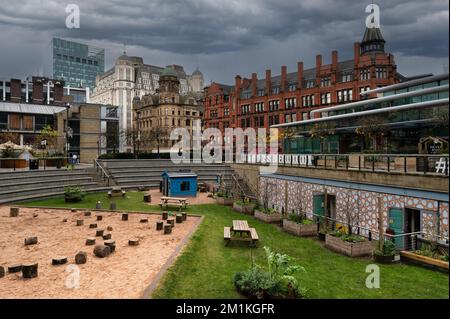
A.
x: 38, y: 88
x: 356, y: 51
x: 237, y: 84
x: 268, y: 82
x: 58, y: 92
x: 16, y: 90
x: 300, y: 75
x: 283, y: 78
x: 318, y: 66
x: 334, y: 59
x: 254, y: 79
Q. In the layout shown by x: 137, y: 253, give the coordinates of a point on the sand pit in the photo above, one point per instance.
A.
x: 124, y: 274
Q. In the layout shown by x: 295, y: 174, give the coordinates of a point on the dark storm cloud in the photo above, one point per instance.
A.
x: 218, y: 32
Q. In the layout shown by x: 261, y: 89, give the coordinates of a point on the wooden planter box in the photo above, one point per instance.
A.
x: 224, y: 201
x: 19, y: 163
x: 349, y: 249
x: 299, y: 229
x: 268, y: 218
x: 428, y: 262
x: 245, y: 209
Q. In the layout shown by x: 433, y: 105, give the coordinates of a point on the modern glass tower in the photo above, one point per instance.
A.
x: 76, y: 63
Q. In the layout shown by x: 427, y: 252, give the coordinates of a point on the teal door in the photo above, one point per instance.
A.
x: 396, y: 223
x: 319, y: 204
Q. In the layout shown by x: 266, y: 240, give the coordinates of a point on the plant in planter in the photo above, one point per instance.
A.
x: 348, y: 244
x: 299, y: 225
x: 268, y: 215
x: 277, y: 282
x: 244, y: 206
x: 223, y: 198
x: 385, y: 254
x: 73, y: 194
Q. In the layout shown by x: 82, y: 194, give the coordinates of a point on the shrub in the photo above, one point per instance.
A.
x: 299, y: 219
x: 73, y: 194
x: 388, y: 249
x: 347, y: 237
x: 268, y: 211
x: 242, y: 202
x: 278, y: 281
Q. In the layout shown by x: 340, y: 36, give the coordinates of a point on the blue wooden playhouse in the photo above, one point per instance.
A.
x: 179, y: 184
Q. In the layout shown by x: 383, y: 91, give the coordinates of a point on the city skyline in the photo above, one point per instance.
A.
x: 224, y: 39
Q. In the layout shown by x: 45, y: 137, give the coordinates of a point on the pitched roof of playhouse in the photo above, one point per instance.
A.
x: 179, y: 174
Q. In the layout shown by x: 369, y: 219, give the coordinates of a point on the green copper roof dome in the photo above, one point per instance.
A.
x: 168, y: 71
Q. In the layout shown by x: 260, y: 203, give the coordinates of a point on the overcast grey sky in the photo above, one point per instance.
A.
x: 224, y: 38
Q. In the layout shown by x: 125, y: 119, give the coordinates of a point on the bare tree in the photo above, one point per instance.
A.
x: 373, y: 129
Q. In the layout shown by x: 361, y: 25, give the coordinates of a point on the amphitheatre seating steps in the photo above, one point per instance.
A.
x: 24, y: 185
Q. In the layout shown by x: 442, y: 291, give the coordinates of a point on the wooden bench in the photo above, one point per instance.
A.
x: 254, y: 236
x: 173, y: 202
x: 227, y: 234
x: 116, y: 192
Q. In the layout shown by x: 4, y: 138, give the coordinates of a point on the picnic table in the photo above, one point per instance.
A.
x: 116, y: 191
x: 236, y: 232
x: 173, y: 201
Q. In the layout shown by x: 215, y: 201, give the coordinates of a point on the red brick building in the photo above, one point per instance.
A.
x: 291, y: 96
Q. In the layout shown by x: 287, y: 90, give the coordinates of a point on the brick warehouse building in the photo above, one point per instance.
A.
x: 291, y: 96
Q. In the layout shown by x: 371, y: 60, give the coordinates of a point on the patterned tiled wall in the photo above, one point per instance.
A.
x: 350, y: 201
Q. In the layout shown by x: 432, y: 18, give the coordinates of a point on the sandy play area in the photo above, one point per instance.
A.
x: 124, y: 274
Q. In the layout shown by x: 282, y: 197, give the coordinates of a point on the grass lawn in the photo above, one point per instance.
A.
x: 206, y: 267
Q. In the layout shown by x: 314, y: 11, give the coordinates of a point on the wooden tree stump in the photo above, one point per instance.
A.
x: 109, y: 228
x: 80, y: 222
x: 2, y: 271
x: 15, y: 268
x: 124, y: 217
x: 99, y: 217
x: 167, y: 229
x: 159, y: 225
x: 147, y: 198
x: 165, y: 215
x: 93, y: 226
x: 144, y: 220
x: 184, y: 216
x: 102, y: 251
x: 31, y: 241
x: 30, y: 271
x: 87, y: 214
x: 179, y: 219
x: 98, y: 205
x: 61, y: 260
x: 99, y: 232
x: 107, y: 236
x: 81, y: 258
x: 111, y: 244
x: 14, y: 212
x: 133, y: 242
x: 90, y: 241
x: 112, y: 206
x: 171, y: 221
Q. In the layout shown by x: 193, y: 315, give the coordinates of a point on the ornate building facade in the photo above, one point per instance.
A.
x: 130, y: 77
x: 291, y: 96
x: 167, y: 109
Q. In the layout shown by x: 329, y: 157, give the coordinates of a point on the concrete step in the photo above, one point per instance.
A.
x: 41, y: 190
x: 36, y: 183
x: 40, y: 174
x: 24, y: 198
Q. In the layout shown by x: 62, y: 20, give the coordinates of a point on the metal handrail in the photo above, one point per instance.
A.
x: 104, y: 174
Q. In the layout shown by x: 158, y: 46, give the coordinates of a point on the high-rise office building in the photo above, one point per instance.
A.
x: 76, y: 63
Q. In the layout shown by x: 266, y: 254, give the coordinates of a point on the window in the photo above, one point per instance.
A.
x: 274, y: 105
x: 308, y: 100
x: 245, y: 109
x: 259, y: 107
x: 325, y: 81
x: 185, y: 186
x: 290, y: 103
x: 344, y: 95
x: 346, y: 77
x: 305, y: 116
x: 364, y: 74
x: 310, y: 84
x: 226, y: 111
x: 325, y: 98
x: 276, y: 90
x: 382, y: 73
x: 260, y: 92
x: 274, y: 120
x: 292, y: 87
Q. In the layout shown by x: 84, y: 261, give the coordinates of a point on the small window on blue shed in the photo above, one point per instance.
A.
x: 185, y: 186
